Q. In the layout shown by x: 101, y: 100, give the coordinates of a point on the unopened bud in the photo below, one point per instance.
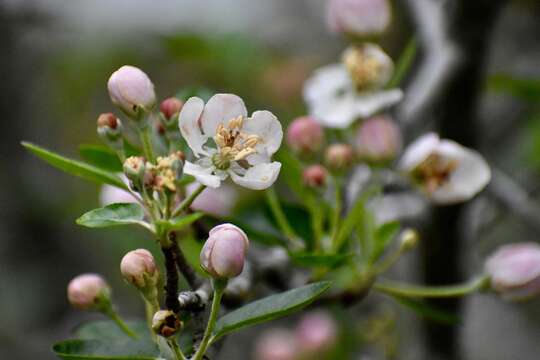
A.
x: 315, y: 176
x: 88, y: 292
x: 132, y: 91
x: 515, y: 271
x: 276, y: 344
x: 134, y: 169
x: 109, y: 128
x: 166, y: 323
x: 369, y: 66
x: 358, y: 17
x: 339, y: 157
x: 305, y: 135
x: 170, y: 108
x: 378, y: 139
x: 139, y: 268
x: 409, y: 239
x: 316, y: 332
x: 223, y: 254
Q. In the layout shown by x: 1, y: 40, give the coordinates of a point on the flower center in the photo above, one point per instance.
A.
x: 434, y: 172
x: 365, y: 70
x: 232, y: 143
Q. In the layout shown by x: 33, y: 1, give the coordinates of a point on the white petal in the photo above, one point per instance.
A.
x: 335, y: 112
x: 418, y: 151
x: 219, y: 109
x: 258, y: 177
x: 255, y: 159
x: 204, y: 175
x: 326, y: 82
x: 188, y: 122
x: 368, y: 104
x: 265, y: 125
x: 469, y: 178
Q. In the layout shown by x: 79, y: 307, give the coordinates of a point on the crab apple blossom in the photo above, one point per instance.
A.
x: 378, y: 139
x: 87, y: 291
x: 339, y: 94
x: 241, y: 146
x: 139, y: 268
x: 315, y: 176
x: 305, y: 135
x: 358, y: 17
x: 316, y: 332
x: 277, y: 344
x: 131, y: 90
x: 224, y: 252
x: 514, y: 270
x: 447, y: 172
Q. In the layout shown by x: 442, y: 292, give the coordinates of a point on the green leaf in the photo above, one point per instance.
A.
x: 406, y: 59
x: 107, y: 329
x: 75, y: 167
x: 114, y: 215
x: 524, y: 88
x: 269, y: 308
x: 111, y: 349
x: 383, y: 235
x: 100, y: 156
x: 291, y: 172
x: 180, y: 222
x: 320, y: 260
x: 428, y: 311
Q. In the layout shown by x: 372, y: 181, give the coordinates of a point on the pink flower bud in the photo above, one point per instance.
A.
x: 139, y: 268
x: 316, y: 332
x: 131, y: 90
x: 170, y: 107
x: 224, y: 252
x: 515, y: 270
x: 276, y: 344
x: 305, y: 135
x: 86, y: 291
x: 315, y: 176
x: 378, y: 139
x: 339, y: 156
x: 107, y: 120
x: 358, y: 17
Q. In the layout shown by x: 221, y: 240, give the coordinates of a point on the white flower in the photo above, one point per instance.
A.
x: 338, y: 94
x: 240, y: 147
x: 446, y: 171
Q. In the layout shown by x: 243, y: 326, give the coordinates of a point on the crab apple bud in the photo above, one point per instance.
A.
x: 339, y: 156
x: 170, y: 107
x: 109, y: 128
x: 134, y: 169
x: 305, y: 135
x: 223, y: 254
x: 139, y: 268
x: 378, y: 139
x: 166, y: 323
x: 88, y: 292
x: 315, y: 176
x: 358, y: 17
x: 409, y: 239
x: 316, y: 332
x: 515, y: 270
x: 132, y: 91
x: 276, y: 344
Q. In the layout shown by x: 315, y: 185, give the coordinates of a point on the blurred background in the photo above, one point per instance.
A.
x: 56, y: 57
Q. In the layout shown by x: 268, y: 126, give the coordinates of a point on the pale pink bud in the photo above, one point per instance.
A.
x: 316, y: 332
x: 339, y: 156
x: 315, y: 176
x: 139, y: 268
x: 223, y: 254
x: 276, y: 344
x: 86, y: 291
x: 171, y: 107
x: 131, y: 90
x: 515, y: 270
x: 358, y: 17
x: 378, y: 139
x: 305, y: 135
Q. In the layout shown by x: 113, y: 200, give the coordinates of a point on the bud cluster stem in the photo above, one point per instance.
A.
x: 147, y: 144
x: 188, y: 201
x: 109, y: 311
x: 281, y: 219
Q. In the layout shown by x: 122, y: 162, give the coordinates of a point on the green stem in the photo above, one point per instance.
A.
x: 176, y: 349
x: 415, y: 291
x: 151, y: 308
x: 109, y: 311
x: 188, y: 201
x: 388, y: 261
x: 219, y: 288
x: 281, y: 219
x: 337, y: 212
x: 147, y: 144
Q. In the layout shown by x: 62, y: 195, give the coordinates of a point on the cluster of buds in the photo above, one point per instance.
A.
x: 161, y: 176
x: 138, y: 267
x: 88, y: 292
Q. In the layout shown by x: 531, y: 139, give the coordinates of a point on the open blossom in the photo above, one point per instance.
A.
x: 358, y: 17
x: 240, y: 146
x: 339, y: 94
x: 515, y: 270
x: 446, y: 171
